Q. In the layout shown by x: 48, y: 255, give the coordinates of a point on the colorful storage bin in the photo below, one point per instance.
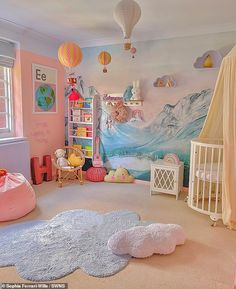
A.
x: 89, y: 131
x: 78, y: 146
x: 88, y: 102
x: 88, y: 150
x: 82, y: 131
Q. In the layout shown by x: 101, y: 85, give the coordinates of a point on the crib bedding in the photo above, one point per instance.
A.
x: 209, y: 172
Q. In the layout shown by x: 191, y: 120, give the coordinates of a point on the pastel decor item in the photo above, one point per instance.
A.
x: 142, y: 242
x: 208, y: 62
x: 104, y: 58
x: 69, y: 54
x: 95, y: 174
x: 97, y: 160
x: 17, y: 197
x: 120, y: 175
x: 171, y: 158
x: 128, y: 93
x: 127, y: 14
x: 210, y: 59
x: 135, y: 91
x: 164, y: 81
x: 41, y: 172
x: 119, y: 112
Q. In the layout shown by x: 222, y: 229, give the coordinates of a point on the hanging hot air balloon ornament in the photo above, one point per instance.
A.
x: 133, y: 51
x: 104, y: 58
x: 70, y: 55
x: 127, y: 14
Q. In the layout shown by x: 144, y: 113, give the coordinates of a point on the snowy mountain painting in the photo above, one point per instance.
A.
x: 136, y: 144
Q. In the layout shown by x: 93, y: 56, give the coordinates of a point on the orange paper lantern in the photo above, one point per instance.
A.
x: 104, y: 58
x: 69, y: 54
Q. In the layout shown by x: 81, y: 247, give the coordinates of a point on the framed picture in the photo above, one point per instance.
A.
x: 44, y: 89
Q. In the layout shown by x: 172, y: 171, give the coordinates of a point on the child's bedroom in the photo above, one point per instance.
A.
x: 118, y: 144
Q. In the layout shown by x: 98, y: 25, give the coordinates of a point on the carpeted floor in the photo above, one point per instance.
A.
x: 206, y: 261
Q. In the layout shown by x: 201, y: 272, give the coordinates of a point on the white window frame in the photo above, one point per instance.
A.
x: 9, y: 130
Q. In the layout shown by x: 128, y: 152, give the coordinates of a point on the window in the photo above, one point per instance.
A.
x: 6, y: 117
x: 7, y: 56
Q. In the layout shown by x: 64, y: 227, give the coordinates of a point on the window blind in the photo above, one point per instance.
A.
x: 7, y: 53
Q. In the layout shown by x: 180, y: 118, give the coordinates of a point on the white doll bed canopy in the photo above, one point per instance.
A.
x: 221, y: 124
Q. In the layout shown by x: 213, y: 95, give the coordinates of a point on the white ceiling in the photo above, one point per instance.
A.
x: 91, y: 23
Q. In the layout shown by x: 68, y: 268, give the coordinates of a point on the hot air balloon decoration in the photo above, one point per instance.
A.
x: 133, y: 51
x: 104, y: 58
x: 69, y: 54
x: 127, y: 14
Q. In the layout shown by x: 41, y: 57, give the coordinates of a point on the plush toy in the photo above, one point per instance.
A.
x: 142, y: 242
x: 75, y: 161
x: 61, y: 160
x: 135, y: 91
x: 121, y: 175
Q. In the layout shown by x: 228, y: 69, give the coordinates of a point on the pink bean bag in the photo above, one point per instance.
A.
x: 17, y: 197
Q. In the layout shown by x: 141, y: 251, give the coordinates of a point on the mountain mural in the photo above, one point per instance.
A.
x: 136, y: 144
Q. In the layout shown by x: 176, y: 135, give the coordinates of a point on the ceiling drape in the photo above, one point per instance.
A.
x: 221, y: 123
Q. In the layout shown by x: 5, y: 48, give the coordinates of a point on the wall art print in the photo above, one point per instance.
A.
x: 44, y: 89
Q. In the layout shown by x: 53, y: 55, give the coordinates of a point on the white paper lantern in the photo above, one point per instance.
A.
x: 127, y: 13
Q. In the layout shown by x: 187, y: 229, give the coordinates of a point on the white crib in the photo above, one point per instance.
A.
x: 205, y: 179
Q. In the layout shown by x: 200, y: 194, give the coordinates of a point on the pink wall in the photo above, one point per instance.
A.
x: 45, y: 132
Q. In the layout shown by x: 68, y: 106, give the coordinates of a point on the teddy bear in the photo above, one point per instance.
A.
x: 61, y: 160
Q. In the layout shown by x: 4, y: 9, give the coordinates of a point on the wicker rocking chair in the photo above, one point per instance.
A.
x: 72, y: 171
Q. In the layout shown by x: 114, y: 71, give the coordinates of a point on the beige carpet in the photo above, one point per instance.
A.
x: 206, y: 261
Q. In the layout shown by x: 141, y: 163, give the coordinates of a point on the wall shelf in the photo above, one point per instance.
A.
x: 165, y: 81
x: 211, y: 59
x: 126, y: 103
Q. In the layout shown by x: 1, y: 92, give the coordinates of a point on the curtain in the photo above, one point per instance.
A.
x: 221, y: 123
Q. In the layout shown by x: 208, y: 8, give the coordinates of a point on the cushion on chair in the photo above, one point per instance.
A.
x: 141, y: 242
x: 17, y: 197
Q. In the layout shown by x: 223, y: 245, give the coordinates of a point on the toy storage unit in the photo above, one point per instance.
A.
x: 205, y: 179
x: 166, y: 178
x: 82, y: 123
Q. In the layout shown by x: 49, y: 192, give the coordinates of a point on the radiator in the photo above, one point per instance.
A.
x: 15, y: 157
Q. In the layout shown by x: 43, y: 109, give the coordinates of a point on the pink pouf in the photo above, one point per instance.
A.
x: 17, y: 197
x: 96, y: 174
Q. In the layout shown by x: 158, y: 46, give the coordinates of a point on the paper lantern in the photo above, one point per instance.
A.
x: 104, y: 58
x: 127, y: 13
x: 69, y: 54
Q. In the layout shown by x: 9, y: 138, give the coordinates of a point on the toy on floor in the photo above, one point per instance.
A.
x: 73, y: 166
x: 17, y: 197
x: 43, y: 172
x: 121, y: 175
x: 142, y: 242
